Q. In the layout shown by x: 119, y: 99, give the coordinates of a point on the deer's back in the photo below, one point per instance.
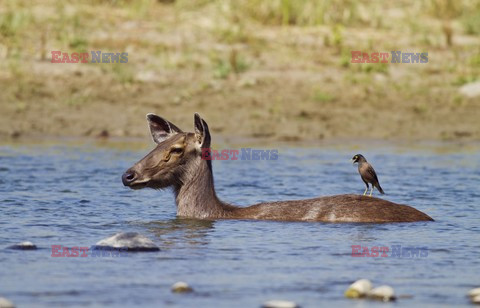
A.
x: 340, y: 208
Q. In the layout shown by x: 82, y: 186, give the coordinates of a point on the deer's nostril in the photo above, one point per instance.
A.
x: 128, y: 177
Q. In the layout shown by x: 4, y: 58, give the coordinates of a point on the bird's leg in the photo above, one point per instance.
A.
x: 371, y: 191
x: 365, y: 192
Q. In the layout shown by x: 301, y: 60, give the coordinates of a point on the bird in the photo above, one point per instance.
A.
x: 367, y: 173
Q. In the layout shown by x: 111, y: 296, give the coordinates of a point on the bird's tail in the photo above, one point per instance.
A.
x: 380, y: 189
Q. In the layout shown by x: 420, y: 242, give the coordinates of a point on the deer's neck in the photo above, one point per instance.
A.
x: 196, y: 196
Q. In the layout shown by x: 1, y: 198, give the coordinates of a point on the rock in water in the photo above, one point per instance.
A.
x: 279, y: 304
x: 23, y: 246
x: 131, y: 241
x: 383, y: 293
x: 474, y: 292
x: 181, y: 287
x: 475, y: 299
x: 474, y: 295
x: 5, y: 303
x: 358, y: 289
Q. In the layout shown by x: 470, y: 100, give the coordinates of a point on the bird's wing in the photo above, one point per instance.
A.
x: 372, y: 173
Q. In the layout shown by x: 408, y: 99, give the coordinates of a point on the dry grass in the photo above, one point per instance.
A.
x: 279, y: 69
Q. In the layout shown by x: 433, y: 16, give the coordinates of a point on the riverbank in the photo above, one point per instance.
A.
x: 248, y: 75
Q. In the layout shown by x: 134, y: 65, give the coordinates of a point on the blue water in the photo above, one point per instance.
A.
x: 71, y: 194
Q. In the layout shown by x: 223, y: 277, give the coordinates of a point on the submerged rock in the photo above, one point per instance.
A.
x: 23, y: 246
x: 5, y: 303
x: 475, y: 299
x: 383, y: 293
x: 130, y: 241
x: 358, y: 289
x: 474, y: 292
x: 474, y: 295
x: 181, y: 287
x: 279, y: 304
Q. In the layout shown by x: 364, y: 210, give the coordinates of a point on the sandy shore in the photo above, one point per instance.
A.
x: 245, y: 78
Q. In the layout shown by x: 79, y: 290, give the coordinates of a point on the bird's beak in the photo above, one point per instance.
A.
x: 352, y: 160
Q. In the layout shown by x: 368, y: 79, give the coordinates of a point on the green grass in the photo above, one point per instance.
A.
x: 297, y: 12
x: 464, y: 79
x: 121, y: 72
x: 322, y: 97
x: 373, y: 67
x: 222, y: 67
x: 471, y: 23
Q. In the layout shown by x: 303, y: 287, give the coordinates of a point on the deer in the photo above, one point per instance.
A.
x: 176, y: 162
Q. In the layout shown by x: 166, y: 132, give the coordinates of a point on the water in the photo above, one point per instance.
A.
x: 72, y: 196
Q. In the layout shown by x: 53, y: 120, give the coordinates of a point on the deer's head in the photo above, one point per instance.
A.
x: 175, y: 157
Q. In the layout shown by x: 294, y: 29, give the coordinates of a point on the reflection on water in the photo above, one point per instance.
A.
x: 54, y: 194
x: 191, y: 232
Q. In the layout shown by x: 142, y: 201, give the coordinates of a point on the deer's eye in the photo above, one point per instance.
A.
x: 176, y: 151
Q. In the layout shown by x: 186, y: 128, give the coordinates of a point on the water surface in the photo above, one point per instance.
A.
x: 72, y: 195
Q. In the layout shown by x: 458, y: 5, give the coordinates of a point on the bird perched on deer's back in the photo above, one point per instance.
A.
x: 367, y: 173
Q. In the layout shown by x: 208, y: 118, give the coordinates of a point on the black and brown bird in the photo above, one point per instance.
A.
x: 367, y: 173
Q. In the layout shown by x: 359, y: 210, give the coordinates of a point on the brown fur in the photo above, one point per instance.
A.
x: 339, y: 208
x: 192, y: 180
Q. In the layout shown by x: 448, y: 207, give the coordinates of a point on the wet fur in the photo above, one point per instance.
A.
x: 192, y: 180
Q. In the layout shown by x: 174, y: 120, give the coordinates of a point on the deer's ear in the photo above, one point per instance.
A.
x: 202, y: 133
x: 160, y: 128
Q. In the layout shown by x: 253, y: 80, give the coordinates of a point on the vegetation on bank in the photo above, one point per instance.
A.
x: 278, y: 69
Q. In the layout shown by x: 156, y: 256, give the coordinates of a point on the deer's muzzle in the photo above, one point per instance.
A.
x: 129, y: 177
